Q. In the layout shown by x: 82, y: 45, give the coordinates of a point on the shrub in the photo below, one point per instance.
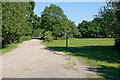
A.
x: 59, y: 38
x: 78, y: 35
x: 48, y: 37
x: 37, y: 33
x: 63, y: 37
x: 24, y: 38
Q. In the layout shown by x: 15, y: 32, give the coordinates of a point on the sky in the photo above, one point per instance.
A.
x: 75, y: 11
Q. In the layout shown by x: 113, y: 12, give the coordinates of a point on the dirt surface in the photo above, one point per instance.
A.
x: 33, y: 60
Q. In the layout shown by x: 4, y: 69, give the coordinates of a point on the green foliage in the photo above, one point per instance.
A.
x: 37, y: 33
x: 74, y: 31
x: 48, y: 36
x: 54, y: 20
x: 111, y: 17
x: 24, y: 38
x: 116, y: 23
x: 36, y: 21
x: 15, y: 21
x: 105, y: 24
x: 78, y: 35
x: 94, y: 29
x: 0, y: 20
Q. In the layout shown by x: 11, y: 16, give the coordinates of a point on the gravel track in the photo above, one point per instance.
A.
x: 32, y: 60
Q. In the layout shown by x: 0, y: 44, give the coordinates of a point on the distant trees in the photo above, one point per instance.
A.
x: 111, y: 17
x: 90, y: 29
x: 36, y: 23
x: 105, y: 24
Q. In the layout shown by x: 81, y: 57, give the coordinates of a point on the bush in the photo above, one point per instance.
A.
x: 71, y: 36
x: 63, y: 37
x: 37, y: 33
x: 78, y: 35
x: 24, y: 38
x: 48, y: 37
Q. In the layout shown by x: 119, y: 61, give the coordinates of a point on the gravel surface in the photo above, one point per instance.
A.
x: 33, y: 60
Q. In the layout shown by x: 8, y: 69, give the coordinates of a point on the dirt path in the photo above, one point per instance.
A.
x: 33, y: 60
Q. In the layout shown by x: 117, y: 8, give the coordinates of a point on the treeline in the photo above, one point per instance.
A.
x: 106, y: 24
x: 19, y: 23
x: 95, y: 29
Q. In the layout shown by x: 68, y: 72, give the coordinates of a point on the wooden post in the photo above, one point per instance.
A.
x: 67, y: 33
x: 66, y: 41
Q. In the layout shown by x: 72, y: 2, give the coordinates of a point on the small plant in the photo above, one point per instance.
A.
x: 48, y: 37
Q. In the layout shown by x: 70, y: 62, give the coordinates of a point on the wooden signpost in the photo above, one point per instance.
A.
x: 67, y: 33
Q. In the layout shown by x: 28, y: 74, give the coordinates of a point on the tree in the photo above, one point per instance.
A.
x: 111, y: 16
x: 37, y: 33
x: 36, y: 21
x: 116, y: 22
x: 15, y: 21
x: 73, y: 29
x: 94, y: 28
x: 54, y: 20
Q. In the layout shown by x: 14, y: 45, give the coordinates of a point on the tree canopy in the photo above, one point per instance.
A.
x: 15, y: 20
x: 111, y: 17
x: 54, y: 20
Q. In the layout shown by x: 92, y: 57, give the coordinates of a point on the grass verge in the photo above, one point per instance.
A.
x: 9, y: 47
x: 98, y: 53
x: 14, y: 45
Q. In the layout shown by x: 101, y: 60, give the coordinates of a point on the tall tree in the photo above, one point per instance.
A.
x: 15, y: 21
x: 73, y: 29
x: 111, y: 17
x: 54, y: 20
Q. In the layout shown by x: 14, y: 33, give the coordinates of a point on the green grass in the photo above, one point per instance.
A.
x: 9, y: 47
x: 98, y: 53
x: 14, y: 45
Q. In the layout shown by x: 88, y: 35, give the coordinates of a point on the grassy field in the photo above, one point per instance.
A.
x: 97, y: 53
x: 9, y: 47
